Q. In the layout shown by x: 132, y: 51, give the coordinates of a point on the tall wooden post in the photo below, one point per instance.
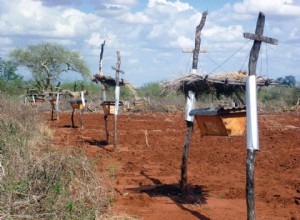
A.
x: 117, y: 96
x: 190, y: 104
x: 103, y: 89
x: 101, y: 72
x: 252, y: 122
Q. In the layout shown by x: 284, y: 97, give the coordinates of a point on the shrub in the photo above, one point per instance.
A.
x: 37, y: 181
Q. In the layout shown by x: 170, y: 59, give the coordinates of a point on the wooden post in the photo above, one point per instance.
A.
x: 103, y: 88
x: 83, y: 107
x: 252, y: 122
x: 72, y: 118
x: 117, y: 97
x: 106, y: 128
x: 52, y: 113
x: 57, y: 105
x: 190, y: 104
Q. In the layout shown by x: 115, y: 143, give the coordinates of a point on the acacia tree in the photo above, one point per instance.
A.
x: 47, y: 61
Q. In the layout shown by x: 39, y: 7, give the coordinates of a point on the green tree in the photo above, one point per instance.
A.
x: 47, y: 61
x: 8, y: 71
x: 287, y: 80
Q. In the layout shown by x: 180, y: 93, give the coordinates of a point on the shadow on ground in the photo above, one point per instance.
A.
x: 195, y: 194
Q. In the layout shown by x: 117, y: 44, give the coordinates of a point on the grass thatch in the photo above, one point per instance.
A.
x: 227, y: 84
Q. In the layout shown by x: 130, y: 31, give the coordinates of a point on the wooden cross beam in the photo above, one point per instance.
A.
x: 258, y: 38
x: 252, y: 119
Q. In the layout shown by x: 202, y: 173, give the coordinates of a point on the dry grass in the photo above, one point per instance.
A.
x: 36, y: 182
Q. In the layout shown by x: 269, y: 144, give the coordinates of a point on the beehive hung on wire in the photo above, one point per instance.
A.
x: 221, y: 121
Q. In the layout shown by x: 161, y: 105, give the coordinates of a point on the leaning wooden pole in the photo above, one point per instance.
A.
x: 190, y: 104
x: 252, y: 118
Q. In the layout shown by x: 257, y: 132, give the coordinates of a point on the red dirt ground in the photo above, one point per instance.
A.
x: 148, y: 163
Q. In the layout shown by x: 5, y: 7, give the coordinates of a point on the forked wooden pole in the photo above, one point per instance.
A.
x: 190, y: 104
x: 252, y: 119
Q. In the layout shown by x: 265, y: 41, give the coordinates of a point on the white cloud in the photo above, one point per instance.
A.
x: 133, y: 61
x: 274, y: 7
x: 221, y: 34
x: 294, y: 34
x: 156, y: 31
x: 95, y: 39
x: 121, y: 2
x: 136, y: 18
x: 183, y: 42
x: 165, y: 4
x: 32, y: 18
x: 5, y: 41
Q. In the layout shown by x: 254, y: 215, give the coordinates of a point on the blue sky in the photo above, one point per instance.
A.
x: 151, y: 34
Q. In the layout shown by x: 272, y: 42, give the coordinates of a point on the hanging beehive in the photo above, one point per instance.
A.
x: 77, y: 104
x: 139, y: 103
x: 221, y: 122
x: 109, y: 107
x: 52, y: 102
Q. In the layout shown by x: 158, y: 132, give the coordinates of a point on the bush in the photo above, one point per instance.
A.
x: 37, y: 181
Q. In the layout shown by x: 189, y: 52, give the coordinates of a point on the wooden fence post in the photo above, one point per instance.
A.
x: 252, y: 122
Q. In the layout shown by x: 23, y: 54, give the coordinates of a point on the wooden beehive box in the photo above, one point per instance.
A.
x: 39, y: 100
x: 221, y: 122
x: 52, y: 102
x: 77, y: 104
x: 109, y: 107
x: 138, y: 103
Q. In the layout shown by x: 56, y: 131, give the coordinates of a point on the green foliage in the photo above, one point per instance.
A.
x: 152, y: 89
x: 10, y: 81
x: 8, y: 71
x: 47, y: 61
x: 287, y: 81
x: 287, y: 95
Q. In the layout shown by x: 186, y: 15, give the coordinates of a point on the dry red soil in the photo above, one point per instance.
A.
x: 148, y: 160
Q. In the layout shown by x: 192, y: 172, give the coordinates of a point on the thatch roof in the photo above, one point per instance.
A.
x: 225, y: 84
x: 107, y: 80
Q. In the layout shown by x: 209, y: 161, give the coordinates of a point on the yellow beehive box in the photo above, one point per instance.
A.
x: 109, y: 107
x: 52, y: 102
x: 221, y: 122
x: 77, y: 104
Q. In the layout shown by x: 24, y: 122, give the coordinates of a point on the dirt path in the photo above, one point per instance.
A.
x: 145, y: 170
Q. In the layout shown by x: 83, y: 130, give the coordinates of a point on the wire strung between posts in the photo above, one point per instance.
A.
x: 267, y: 60
x: 189, y: 63
x: 246, y: 58
x: 230, y: 57
x: 261, y: 62
x: 215, y: 62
